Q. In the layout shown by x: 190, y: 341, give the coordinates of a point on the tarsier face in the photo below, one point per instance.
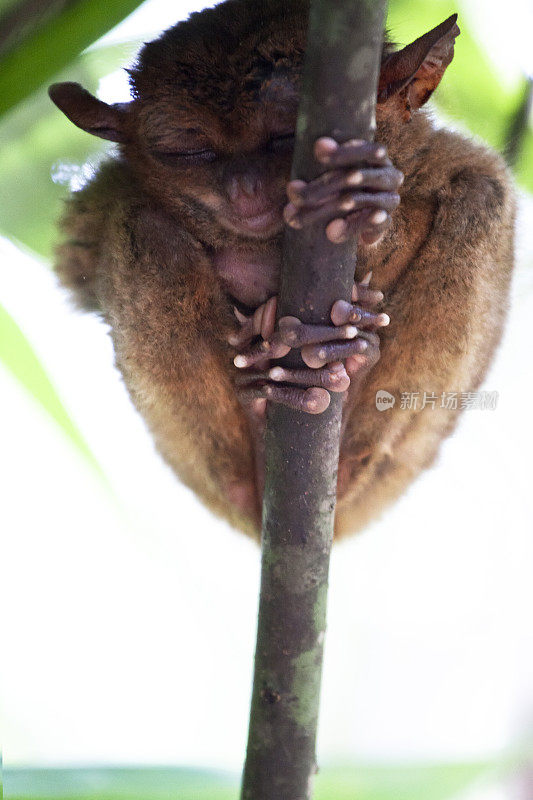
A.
x: 215, y: 105
x: 210, y: 129
x: 232, y: 160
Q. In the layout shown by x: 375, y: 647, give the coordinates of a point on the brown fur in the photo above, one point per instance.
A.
x: 143, y: 239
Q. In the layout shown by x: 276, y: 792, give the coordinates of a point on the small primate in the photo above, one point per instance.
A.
x: 176, y: 242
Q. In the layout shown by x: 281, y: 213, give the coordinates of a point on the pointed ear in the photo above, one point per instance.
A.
x: 415, y: 71
x: 89, y: 113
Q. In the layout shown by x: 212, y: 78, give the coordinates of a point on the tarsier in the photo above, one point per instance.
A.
x: 176, y: 241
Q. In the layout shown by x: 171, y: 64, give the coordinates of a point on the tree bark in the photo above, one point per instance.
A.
x: 338, y: 99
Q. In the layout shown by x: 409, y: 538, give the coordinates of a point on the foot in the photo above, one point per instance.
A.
x: 354, y: 197
x: 333, y: 354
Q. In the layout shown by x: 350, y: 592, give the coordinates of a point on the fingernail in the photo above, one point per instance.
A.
x: 342, y: 307
x: 336, y: 230
x: 383, y: 319
x: 276, y: 373
x: 378, y: 217
x: 324, y: 147
x: 327, y: 142
x: 350, y: 331
x: 347, y: 204
x: 240, y: 316
x: 240, y: 361
x: 354, y: 178
x: 296, y: 185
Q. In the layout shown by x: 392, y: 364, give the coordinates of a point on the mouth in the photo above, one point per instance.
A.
x: 265, y: 224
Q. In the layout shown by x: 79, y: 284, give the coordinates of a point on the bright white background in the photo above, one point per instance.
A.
x: 129, y: 619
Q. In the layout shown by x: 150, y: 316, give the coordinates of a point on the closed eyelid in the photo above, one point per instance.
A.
x: 177, y: 157
x: 176, y: 139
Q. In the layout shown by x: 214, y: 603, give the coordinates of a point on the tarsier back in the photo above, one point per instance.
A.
x: 176, y: 242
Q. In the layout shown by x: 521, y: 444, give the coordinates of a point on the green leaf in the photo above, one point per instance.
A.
x: 18, y: 356
x: 55, y: 44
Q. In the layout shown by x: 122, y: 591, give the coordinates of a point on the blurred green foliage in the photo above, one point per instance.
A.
x: 33, y: 138
x: 34, y: 141
x: 19, y: 357
x: 471, y: 91
x: 53, y: 43
x: 380, y: 782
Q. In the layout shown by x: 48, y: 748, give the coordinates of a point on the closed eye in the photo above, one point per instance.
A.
x: 184, y: 156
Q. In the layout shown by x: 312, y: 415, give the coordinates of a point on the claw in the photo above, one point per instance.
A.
x: 240, y: 316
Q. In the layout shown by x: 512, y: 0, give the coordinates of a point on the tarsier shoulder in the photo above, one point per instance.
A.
x: 177, y: 243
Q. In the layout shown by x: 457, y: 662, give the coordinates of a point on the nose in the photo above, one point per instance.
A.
x: 244, y: 186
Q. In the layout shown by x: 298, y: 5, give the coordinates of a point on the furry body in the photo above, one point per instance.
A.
x: 163, y: 259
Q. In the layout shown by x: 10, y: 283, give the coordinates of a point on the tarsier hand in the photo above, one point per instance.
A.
x: 354, y: 197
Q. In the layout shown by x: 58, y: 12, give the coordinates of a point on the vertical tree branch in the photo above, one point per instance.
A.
x: 338, y: 99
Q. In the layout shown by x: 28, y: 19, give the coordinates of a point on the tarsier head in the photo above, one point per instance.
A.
x: 211, y: 124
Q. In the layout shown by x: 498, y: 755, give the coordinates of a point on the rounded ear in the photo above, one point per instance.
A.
x: 89, y: 113
x: 416, y: 71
